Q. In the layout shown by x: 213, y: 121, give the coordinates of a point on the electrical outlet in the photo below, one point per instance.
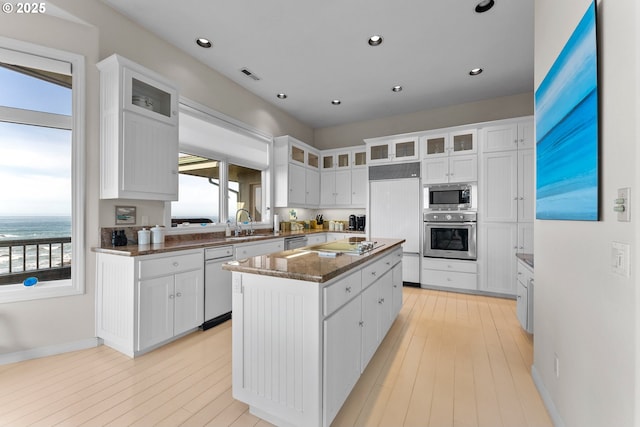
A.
x: 623, y: 204
x: 620, y: 258
x: 556, y: 365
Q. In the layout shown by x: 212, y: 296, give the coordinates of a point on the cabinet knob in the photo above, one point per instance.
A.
x: 176, y: 263
x: 373, y: 273
x: 170, y: 296
x: 179, y: 294
x: 348, y: 289
x: 515, y: 141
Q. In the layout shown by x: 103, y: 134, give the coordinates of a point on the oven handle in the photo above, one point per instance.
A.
x: 450, y: 224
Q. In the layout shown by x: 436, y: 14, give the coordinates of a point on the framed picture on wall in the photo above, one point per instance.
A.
x: 566, y: 111
x: 125, y: 215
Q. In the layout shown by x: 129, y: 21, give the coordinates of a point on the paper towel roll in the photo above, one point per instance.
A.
x: 276, y: 223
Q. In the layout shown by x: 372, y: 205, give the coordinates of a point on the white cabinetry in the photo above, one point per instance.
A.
x: 449, y: 274
x: 298, y: 356
x: 143, y: 302
x: 509, y: 135
x: 392, y: 149
x: 138, y: 132
x: 450, y: 157
x: 248, y: 250
x: 297, y: 173
x: 343, y: 178
x: 524, y: 303
x: 507, y: 201
x: 335, y: 188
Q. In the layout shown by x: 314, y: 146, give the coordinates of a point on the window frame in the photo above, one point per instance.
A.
x: 219, y: 119
x: 76, y: 284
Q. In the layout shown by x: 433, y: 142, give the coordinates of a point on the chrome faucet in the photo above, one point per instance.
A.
x: 238, y: 227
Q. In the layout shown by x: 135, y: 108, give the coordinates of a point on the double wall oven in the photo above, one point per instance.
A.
x: 450, y: 223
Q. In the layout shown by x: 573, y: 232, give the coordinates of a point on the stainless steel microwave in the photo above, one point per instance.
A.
x: 449, y: 197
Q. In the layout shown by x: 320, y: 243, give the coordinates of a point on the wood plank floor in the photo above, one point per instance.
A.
x: 448, y: 360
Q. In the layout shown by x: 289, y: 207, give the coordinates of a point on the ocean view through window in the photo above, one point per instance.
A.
x: 37, y: 169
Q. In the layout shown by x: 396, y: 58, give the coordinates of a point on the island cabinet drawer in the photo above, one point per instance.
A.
x: 450, y: 279
x: 375, y: 270
x: 171, y: 264
x: 450, y: 265
x: 336, y: 295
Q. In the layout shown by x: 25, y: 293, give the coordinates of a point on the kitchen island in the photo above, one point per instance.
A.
x: 306, y: 323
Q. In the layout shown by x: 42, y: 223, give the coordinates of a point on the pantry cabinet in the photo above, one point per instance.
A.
x: 138, y: 132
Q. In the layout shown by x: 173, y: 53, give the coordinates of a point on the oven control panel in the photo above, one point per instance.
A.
x: 450, y: 216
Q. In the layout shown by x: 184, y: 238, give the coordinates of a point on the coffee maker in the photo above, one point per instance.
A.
x: 360, y: 222
x: 353, y: 222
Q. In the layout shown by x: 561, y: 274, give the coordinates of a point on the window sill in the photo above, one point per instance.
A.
x: 43, y: 290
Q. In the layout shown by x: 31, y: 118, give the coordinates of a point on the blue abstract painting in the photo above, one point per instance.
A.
x: 566, y: 114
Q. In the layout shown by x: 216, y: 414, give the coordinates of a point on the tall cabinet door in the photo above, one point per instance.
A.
x: 500, y: 188
x: 498, y: 243
x: 297, y: 185
x: 189, y: 304
x: 155, y: 311
x: 149, y: 157
x: 526, y: 185
x: 369, y: 323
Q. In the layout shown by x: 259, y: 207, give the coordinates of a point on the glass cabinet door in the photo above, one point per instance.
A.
x: 313, y: 160
x: 435, y: 146
x: 297, y: 154
x: 405, y: 149
x: 149, y: 98
x: 379, y: 152
x: 360, y: 158
x: 327, y: 161
x: 463, y: 142
x: 343, y: 161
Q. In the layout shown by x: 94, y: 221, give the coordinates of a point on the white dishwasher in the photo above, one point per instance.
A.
x: 217, y: 286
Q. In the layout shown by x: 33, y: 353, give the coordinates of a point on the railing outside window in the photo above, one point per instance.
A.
x: 46, y: 259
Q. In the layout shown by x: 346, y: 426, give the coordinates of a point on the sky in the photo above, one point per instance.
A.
x: 35, y: 162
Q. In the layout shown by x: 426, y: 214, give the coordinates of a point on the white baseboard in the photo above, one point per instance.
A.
x: 50, y: 350
x: 546, y: 398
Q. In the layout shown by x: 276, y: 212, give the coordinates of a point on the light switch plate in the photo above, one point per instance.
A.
x: 620, y: 258
x: 624, y: 214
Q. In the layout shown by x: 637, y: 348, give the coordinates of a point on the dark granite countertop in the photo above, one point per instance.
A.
x: 308, y: 265
x: 180, y: 242
x: 526, y: 258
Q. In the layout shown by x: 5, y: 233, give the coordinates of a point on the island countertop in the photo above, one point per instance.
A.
x: 307, y: 264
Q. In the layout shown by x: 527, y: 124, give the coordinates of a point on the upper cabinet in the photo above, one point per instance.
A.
x: 138, y: 132
x: 397, y: 149
x: 297, y: 173
x: 509, y: 136
x: 450, y: 157
x: 460, y: 142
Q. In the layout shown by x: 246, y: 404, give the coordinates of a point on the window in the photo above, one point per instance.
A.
x: 41, y: 167
x: 222, y: 168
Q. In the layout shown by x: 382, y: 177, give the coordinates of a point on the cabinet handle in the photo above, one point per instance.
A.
x: 381, y: 301
x: 170, y: 296
x: 515, y: 141
x: 348, y: 289
x: 373, y: 273
x: 515, y: 198
x: 179, y: 294
x: 395, y: 286
x: 176, y: 263
x: 519, y: 273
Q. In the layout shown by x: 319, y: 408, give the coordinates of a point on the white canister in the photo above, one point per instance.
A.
x: 157, y: 234
x: 144, y: 237
x: 276, y: 223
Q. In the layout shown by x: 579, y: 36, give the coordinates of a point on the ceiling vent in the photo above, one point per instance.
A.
x: 248, y: 73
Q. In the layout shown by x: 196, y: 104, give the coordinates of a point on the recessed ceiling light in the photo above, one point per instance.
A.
x: 282, y: 95
x: 397, y: 88
x: 336, y: 102
x: 484, y: 5
x: 475, y: 71
x: 375, y: 40
x: 202, y: 42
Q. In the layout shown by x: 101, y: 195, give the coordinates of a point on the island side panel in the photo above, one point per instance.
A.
x: 277, y: 348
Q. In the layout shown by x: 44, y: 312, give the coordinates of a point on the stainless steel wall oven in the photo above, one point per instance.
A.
x: 450, y: 235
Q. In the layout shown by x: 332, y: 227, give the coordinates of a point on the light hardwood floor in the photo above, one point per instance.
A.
x: 448, y: 360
